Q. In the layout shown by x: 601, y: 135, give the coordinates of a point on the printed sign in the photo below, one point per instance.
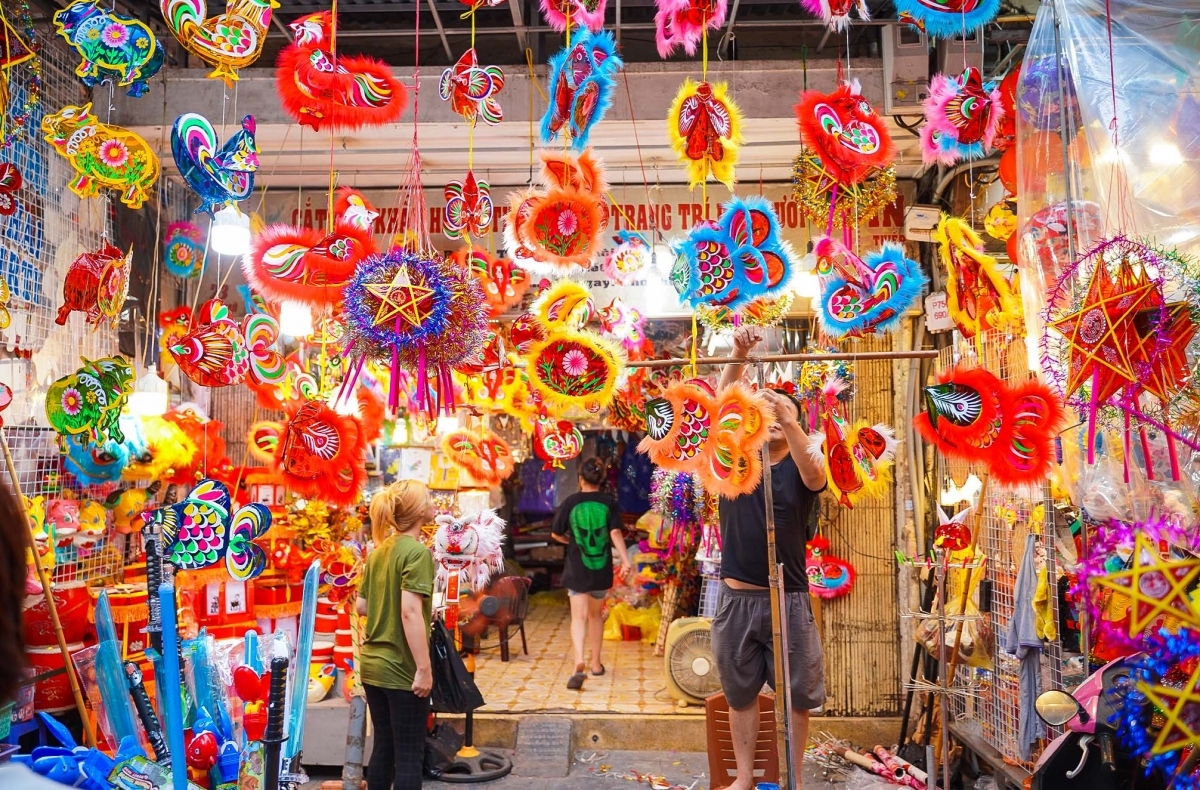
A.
x: 937, y: 314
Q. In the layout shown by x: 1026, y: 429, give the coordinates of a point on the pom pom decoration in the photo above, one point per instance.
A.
x: 736, y: 260
x: 200, y: 532
x: 468, y: 211
x: 857, y: 457
x: 503, y: 284
x: 320, y: 455
x: 102, y: 156
x: 555, y: 230
x: 113, y: 47
x: 828, y: 576
x: 973, y: 416
x: 705, y: 128
x: 229, y: 41
x: 486, y: 457
x: 323, y: 90
x: 681, y: 23
x: 470, y: 548
x: 716, y: 437
x: 962, y: 115
x: 845, y: 132
x: 978, y: 296
x: 96, y: 285
x: 218, y: 352
x: 222, y: 175
x: 471, y: 89
x: 860, y: 297
x: 583, y: 13
x: 836, y: 13
x: 582, y: 80
x: 309, y: 266
x: 89, y: 401
x: 184, y: 249
x: 947, y: 18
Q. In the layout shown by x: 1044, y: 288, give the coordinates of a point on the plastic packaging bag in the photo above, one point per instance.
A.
x: 647, y: 619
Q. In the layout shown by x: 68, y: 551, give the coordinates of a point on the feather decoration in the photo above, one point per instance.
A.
x: 582, y: 80
x: 962, y: 116
x: 861, y: 297
x: 320, y: 454
x: 588, y: 14
x: 705, y: 127
x: 681, y: 23
x: 836, y: 13
x: 845, y: 132
x: 978, y: 296
x: 857, y: 456
x: 949, y: 18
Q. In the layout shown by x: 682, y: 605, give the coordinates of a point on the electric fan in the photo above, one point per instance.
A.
x: 688, y: 661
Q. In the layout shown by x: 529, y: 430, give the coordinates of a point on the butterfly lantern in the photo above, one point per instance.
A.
x: 103, y: 156
x: 857, y: 457
x: 486, y: 457
x: 504, y: 285
x: 184, y: 249
x: 10, y: 184
x: 324, y: 90
x: 681, y: 23
x: 843, y: 130
x: 739, y: 258
x: 860, y: 297
x: 962, y: 116
x: 96, y: 285
x: 311, y: 266
x: 828, y: 576
x: 978, y: 296
x: 948, y: 18
x: 705, y: 128
x: 320, y: 454
x: 471, y: 89
x: 218, y: 351
x: 221, y: 174
x: 582, y: 80
x: 201, y: 532
x: 468, y: 212
x: 113, y: 47
x: 89, y: 401
x: 1008, y: 429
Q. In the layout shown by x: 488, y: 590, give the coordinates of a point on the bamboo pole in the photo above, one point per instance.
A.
x: 88, y: 734
x: 864, y: 356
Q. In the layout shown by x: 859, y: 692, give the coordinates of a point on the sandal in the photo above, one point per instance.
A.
x: 575, y: 683
x: 601, y: 672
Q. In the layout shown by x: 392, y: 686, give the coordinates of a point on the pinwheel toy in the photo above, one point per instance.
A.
x: 857, y: 457
x: 836, y: 13
x: 96, y: 285
x: 309, y: 266
x: 559, y: 14
x: 860, y: 297
x: 320, y: 454
x: 947, y: 18
x: 582, y: 80
x: 471, y: 89
x: 201, y: 532
x: 102, y: 156
x: 10, y: 184
x: 113, y: 47
x: 503, y: 284
x: 978, y: 296
x: 705, y: 127
x: 325, y: 90
x: 845, y: 132
x: 90, y: 400
x: 485, y: 456
x: 228, y: 41
x: 218, y: 352
x: 468, y: 212
x: 184, y: 249
x: 681, y: 23
x: 221, y: 175
x: 962, y: 115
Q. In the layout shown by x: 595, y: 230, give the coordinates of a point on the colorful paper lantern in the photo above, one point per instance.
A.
x: 836, y: 13
x: 10, y: 184
x: 102, y: 156
x: 582, y: 81
x: 949, y: 18
x: 96, y: 285
x: 228, y: 41
x: 89, y: 401
x: 218, y: 351
x: 857, y: 456
x: 485, y: 456
x: 555, y: 229
x: 705, y: 128
x: 113, y: 47
x: 222, y: 175
x: 183, y: 249
x: 845, y: 132
x: 503, y: 284
x: 862, y: 296
x: 201, y: 531
x: 468, y: 212
x: 555, y: 441
x: 978, y: 296
x: 320, y: 454
x: 559, y: 14
x: 472, y: 89
x: 682, y: 23
x: 962, y: 116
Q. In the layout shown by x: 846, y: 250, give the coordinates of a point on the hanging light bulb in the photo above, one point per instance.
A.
x: 150, y: 396
x: 295, y: 319
x: 230, y: 234
x: 807, y: 284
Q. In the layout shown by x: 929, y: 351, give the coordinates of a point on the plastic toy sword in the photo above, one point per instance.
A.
x: 273, y: 737
x: 111, y: 675
x: 172, y: 683
x: 141, y: 701
x: 154, y: 578
x: 299, y: 696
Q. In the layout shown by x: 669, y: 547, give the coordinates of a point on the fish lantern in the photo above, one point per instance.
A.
x: 219, y: 351
x: 471, y: 89
x: 103, y: 156
x: 843, y: 130
x: 203, y: 531
x: 113, y: 47
x: 96, y: 285
x: 89, y: 401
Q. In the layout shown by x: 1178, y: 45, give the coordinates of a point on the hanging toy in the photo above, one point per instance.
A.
x: 200, y: 532
x: 10, y: 184
x: 953, y: 534
x: 183, y: 249
x: 468, y: 211
x: 565, y: 304
x: 705, y: 127
x: 471, y: 89
x: 114, y: 48
x: 828, y: 576
x: 555, y: 441
x: 468, y: 552
x: 978, y: 296
x: 102, y: 156
x: 681, y: 23
x: 309, y: 266
x: 573, y: 368
x: 555, y: 229
x: 174, y: 324
x: 836, y: 13
x: 503, y: 284
x: 90, y: 400
x: 858, y: 457
x: 843, y: 130
x: 229, y: 41
x: 626, y: 325
x: 947, y: 18
x: 320, y: 455
x: 486, y: 457
x: 582, y: 80
x: 860, y: 297
x: 630, y: 256
x: 221, y: 176
x: 739, y: 258
x: 962, y: 115
x: 588, y: 14
x: 337, y: 93
x: 96, y: 285
x: 217, y: 352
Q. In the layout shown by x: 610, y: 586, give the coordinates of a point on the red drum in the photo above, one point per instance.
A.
x: 343, y: 638
x: 322, y: 652
x: 72, y: 604
x: 52, y: 694
x: 326, y: 623
x: 342, y: 656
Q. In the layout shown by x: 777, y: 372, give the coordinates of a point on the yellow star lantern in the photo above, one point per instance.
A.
x: 1177, y: 732
x: 1155, y: 586
x: 400, y: 297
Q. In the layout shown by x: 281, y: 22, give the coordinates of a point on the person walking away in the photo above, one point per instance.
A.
x: 590, y: 524
x: 396, y: 595
x: 742, y: 637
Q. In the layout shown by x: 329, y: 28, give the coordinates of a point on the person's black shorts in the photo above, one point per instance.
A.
x: 743, y: 646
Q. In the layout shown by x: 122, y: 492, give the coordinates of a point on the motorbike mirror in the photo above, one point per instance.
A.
x: 1056, y: 708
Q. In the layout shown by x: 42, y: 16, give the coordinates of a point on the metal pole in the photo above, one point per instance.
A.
x: 865, y: 355
x: 782, y: 718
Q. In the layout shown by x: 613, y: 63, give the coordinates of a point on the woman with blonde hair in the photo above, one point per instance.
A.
x: 395, y: 594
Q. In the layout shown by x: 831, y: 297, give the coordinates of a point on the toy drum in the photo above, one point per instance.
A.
x: 343, y: 638
x: 53, y: 693
x: 326, y: 607
x: 342, y: 657
x: 322, y: 652
x: 326, y: 623
x: 72, y: 603
x: 343, y: 620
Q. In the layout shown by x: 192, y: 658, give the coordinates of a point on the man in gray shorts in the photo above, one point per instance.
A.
x: 741, y: 631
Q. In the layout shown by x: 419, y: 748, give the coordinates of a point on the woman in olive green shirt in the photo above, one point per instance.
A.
x: 395, y: 594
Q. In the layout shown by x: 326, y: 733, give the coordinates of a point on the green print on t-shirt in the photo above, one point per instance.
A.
x: 589, y: 525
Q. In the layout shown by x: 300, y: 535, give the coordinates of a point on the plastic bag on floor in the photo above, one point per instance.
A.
x: 623, y: 617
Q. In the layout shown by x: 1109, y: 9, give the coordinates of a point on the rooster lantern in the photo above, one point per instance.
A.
x: 229, y: 41
x: 468, y: 547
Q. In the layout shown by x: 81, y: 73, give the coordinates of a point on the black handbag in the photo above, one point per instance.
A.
x: 454, y: 690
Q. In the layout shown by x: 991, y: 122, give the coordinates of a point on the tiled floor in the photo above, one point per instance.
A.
x: 633, y: 682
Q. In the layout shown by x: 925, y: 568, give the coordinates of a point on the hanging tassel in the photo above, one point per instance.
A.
x: 394, y: 385
x: 1092, y: 407
x: 1146, y: 452
x: 1173, y: 453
